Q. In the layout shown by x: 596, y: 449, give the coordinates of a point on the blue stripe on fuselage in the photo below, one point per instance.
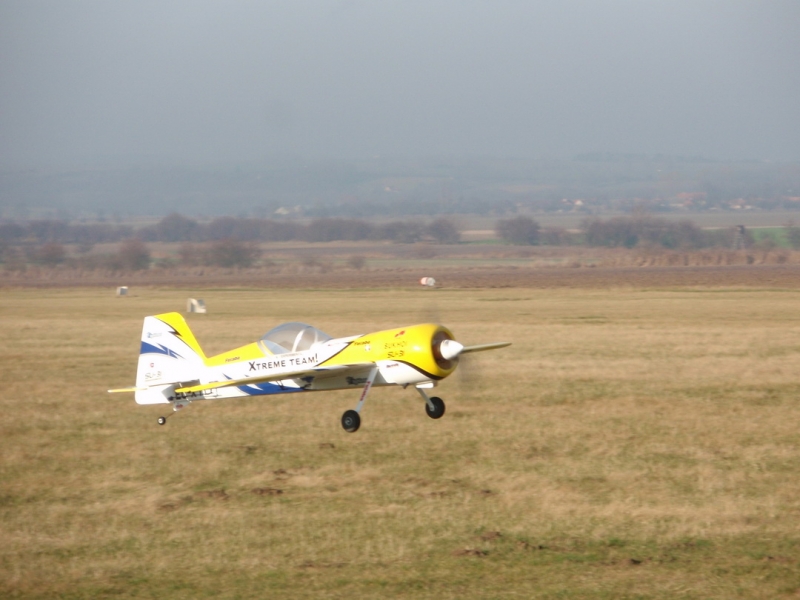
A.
x: 262, y: 389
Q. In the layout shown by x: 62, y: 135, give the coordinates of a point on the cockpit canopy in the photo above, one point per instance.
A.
x: 293, y: 337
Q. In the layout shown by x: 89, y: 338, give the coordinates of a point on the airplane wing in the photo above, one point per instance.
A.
x: 482, y: 347
x: 317, y: 372
x: 128, y: 389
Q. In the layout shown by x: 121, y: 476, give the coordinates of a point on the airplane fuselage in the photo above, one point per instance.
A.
x: 404, y: 356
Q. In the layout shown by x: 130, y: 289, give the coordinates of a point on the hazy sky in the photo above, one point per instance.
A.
x: 205, y: 80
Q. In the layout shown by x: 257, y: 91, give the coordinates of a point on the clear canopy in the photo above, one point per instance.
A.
x: 293, y: 337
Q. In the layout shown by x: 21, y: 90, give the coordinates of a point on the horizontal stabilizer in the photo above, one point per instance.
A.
x: 317, y: 372
x: 128, y: 389
x: 482, y: 347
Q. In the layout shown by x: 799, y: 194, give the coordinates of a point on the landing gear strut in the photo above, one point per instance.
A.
x: 351, y: 419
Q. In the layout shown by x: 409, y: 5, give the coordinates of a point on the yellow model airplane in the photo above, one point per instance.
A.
x: 293, y: 357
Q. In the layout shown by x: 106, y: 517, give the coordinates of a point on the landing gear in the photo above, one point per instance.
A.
x: 176, y: 406
x: 351, y: 421
x: 434, y: 407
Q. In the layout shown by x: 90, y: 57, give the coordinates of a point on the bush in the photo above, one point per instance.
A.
x: 522, y: 231
x: 444, y: 232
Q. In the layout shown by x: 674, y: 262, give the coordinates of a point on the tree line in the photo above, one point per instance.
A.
x: 629, y: 232
x: 178, y: 228
x: 233, y: 242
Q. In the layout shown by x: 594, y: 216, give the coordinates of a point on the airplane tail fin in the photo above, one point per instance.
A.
x: 169, y: 358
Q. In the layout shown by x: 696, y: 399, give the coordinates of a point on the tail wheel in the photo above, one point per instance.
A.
x: 162, y: 420
x: 351, y: 421
x: 434, y: 407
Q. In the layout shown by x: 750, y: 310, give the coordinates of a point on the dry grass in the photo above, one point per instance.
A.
x: 633, y: 443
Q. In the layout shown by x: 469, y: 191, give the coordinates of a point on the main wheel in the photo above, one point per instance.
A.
x: 351, y: 421
x: 162, y: 420
x: 438, y: 408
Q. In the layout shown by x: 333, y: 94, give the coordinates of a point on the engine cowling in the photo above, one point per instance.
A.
x: 428, y: 348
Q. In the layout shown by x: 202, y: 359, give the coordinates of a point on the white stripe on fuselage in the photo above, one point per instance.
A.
x: 275, y: 364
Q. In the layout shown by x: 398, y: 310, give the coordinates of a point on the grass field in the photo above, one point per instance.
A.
x: 632, y: 443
